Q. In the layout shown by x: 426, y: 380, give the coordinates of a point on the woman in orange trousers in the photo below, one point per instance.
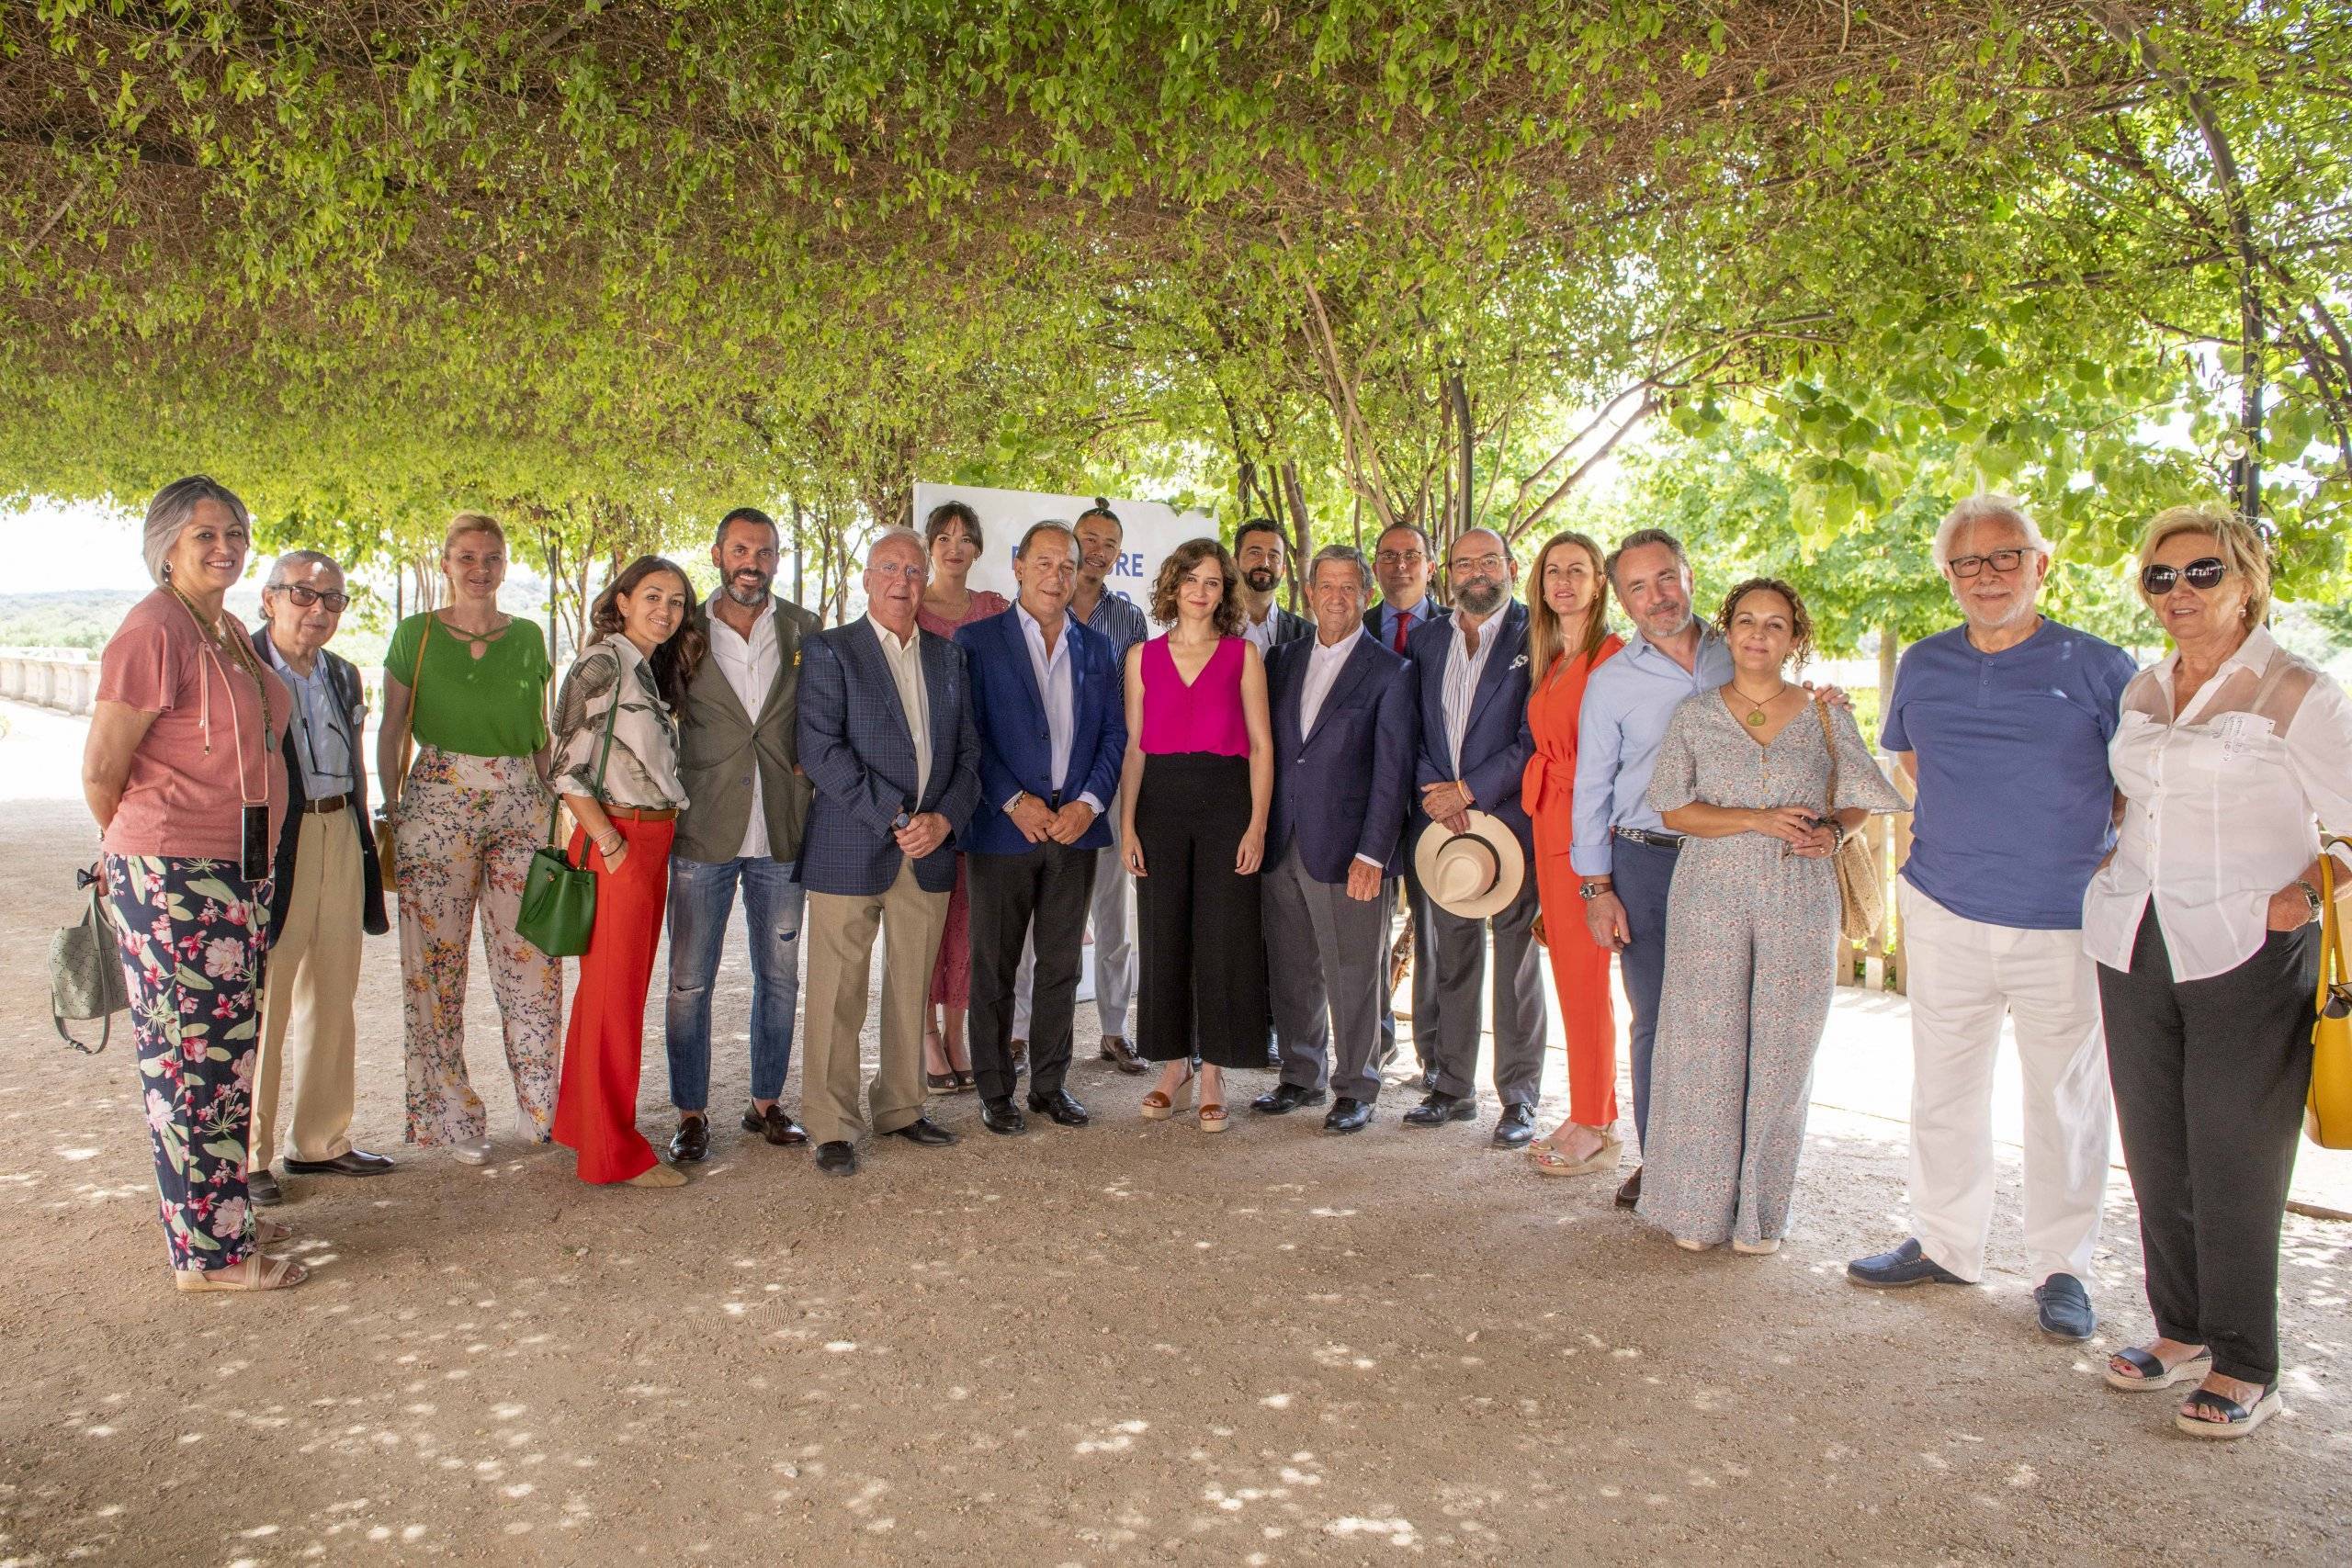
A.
x: 617, y: 741
x: 1568, y: 636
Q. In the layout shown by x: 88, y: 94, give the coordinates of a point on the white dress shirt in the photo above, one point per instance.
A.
x: 750, y: 668
x: 1463, y: 668
x: 1261, y: 633
x: 1058, y: 686
x: 905, y: 660
x: 2222, y: 805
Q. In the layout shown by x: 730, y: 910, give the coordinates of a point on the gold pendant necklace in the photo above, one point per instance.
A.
x: 1754, y: 707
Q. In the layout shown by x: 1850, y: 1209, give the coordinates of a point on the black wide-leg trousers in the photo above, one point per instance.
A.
x: 1203, y: 989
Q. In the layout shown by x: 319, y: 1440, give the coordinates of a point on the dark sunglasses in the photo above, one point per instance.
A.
x: 306, y: 597
x: 2203, y: 575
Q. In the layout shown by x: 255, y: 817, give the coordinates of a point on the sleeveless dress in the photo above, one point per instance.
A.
x: 951, y: 974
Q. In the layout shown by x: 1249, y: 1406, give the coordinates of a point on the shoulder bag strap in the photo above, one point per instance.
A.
x: 2332, y: 974
x: 392, y: 787
x: 1829, y: 740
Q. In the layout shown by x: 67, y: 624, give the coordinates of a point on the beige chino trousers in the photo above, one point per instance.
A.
x: 840, y: 931
x: 310, y: 984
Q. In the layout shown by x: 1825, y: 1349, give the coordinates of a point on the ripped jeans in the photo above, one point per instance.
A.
x: 702, y: 900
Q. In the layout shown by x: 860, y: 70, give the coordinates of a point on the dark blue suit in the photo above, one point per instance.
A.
x: 1340, y: 792
x: 1495, y: 744
x: 1425, y: 1006
x: 1016, y: 885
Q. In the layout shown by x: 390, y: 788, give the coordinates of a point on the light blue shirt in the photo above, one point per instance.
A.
x: 1627, y: 701
x: 1058, y: 686
x: 1413, y: 618
x: 1120, y: 620
x: 320, y: 746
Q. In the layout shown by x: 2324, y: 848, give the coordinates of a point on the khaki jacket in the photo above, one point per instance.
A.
x: 719, y: 745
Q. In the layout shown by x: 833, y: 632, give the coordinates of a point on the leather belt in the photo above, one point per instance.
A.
x: 641, y: 813
x: 322, y: 807
x: 1654, y: 840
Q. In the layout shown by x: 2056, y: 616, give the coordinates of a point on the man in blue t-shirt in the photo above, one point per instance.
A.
x: 2003, y: 722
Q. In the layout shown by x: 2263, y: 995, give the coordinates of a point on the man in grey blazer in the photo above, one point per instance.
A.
x: 738, y: 756
x: 887, y: 741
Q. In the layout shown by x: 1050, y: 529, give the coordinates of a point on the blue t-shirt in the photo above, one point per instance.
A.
x: 2015, y: 809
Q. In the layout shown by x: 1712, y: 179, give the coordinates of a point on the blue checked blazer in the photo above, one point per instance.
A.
x: 1341, y: 789
x: 855, y: 750
x: 1498, y: 741
x: 1017, y: 749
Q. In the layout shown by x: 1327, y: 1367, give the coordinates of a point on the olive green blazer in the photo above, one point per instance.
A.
x: 719, y: 746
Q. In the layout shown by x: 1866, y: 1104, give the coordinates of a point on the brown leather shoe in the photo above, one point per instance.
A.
x: 773, y: 1124
x: 1121, y: 1054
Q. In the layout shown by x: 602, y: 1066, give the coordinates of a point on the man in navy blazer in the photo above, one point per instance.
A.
x: 1472, y: 672
x: 887, y: 743
x: 1402, y: 566
x: 1341, y: 707
x: 1048, y: 704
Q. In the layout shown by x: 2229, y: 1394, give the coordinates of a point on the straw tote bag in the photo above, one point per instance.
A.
x: 1861, y: 902
x: 2327, y: 1114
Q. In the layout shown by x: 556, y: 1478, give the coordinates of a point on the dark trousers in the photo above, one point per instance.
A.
x: 2209, y: 1079
x: 1202, y: 987
x: 1328, y: 957
x: 1423, y: 915
x: 1643, y: 875
x: 1049, y: 886
x: 1518, y: 999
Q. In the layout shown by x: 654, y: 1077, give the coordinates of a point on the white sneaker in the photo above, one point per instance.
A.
x: 471, y: 1151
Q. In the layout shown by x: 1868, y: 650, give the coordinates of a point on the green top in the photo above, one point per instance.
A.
x: 482, y: 707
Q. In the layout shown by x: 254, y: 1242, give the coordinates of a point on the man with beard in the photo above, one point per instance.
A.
x: 1472, y: 674
x: 1259, y: 551
x: 1622, y: 853
x: 746, y: 804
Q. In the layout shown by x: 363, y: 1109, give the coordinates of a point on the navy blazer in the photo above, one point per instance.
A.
x: 861, y: 762
x: 1498, y: 740
x: 1342, y: 789
x: 1016, y: 748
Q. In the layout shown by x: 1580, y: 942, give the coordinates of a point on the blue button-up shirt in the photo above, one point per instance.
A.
x: 321, y: 745
x: 1413, y: 618
x: 1627, y: 701
x: 1122, y: 621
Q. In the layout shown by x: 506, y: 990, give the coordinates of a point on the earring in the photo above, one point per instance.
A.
x: 167, y: 571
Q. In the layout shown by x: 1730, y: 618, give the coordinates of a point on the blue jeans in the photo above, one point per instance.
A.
x: 1643, y: 875
x: 702, y: 900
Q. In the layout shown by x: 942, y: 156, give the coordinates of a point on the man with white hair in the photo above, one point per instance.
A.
x: 2003, y: 722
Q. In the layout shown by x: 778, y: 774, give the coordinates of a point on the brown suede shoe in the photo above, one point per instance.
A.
x: 773, y: 1124
x: 1120, y: 1054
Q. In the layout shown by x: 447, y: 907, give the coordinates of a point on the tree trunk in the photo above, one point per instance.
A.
x: 1302, y: 528
x: 1464, y: 457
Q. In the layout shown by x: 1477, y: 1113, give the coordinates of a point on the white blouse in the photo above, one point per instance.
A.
x: 2221, y: 805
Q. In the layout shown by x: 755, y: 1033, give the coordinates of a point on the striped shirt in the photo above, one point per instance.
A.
x: 1462, y: 671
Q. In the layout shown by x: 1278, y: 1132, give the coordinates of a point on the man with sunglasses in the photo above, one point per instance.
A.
x: 328, y: 888
x: 2003, y: 722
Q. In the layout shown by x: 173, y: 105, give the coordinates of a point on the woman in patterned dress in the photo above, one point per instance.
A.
x: 1744, y: 775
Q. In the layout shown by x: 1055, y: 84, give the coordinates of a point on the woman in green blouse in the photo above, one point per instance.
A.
x: 470, y: 680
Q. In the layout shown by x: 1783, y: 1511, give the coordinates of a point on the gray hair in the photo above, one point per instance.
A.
x: 169, y: 513
x: 1634, y: 541
x: 1987, y: 508
x: 1347, y: 553
x: 1051, y: 525
x: 900, y: 532
x: 277, y: 569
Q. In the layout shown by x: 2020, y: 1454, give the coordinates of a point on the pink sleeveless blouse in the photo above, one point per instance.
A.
x: 1204, y: 717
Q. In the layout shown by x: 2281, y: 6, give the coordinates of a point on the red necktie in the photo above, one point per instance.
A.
x: 1403, y: 621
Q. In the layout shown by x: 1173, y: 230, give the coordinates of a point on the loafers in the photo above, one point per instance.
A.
x: 925, y: 1130
x: 2064, y: 1308
x: 1440, y: 1107
x: 1906, y: 1264
x: 262, y: 1189
x: 1347, y: 1116
x: 1516, y: 1127
x: 1121, y: 1053
x: 774, y: 1125
x: 1629, y: 1196
x: 1285, y: 1098
x: 1001, y: 1115
x: 837, y: 1159
x: 1062, y: 1108
x: 691, y: 1141
x: 351, y: 1162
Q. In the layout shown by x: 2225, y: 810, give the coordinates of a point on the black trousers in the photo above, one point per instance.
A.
x: 1048, y: 886
x: 1203, y: 989
x: 2209, y: 1079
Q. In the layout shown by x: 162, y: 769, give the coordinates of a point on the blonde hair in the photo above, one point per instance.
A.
x: 466, y: 522
x: 1546, y: 638
x: 2242, y: 549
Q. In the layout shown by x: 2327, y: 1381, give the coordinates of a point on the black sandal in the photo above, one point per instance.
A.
x: 962, y: 1082
x: 939, y: 1083
x: 2152, y: 1371
x: 2236, y: 1421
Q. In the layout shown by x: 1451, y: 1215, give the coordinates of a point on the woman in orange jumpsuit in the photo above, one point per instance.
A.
x: 1568, y: 636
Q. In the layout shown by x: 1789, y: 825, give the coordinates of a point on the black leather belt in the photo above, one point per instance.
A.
x: 1654, y: 840
x: 322, y: 807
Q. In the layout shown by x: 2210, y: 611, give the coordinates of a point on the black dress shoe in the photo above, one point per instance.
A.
x: 773, y: 1124
x: 837, y: 1158
x: 1001, y: 1115
x: 1061, y: 1107
x: 925, y: 1130
x: 1630, y: 1195
x: 1347, y: 1116
x: 261, y: 1189
x: 351, y: 1162
x: 1439, y: 1109
x: 1285, y: 1098
x: 1516, y: 1127
x: 1428, y: 1076
x: 1120, y: 1051
x: 691, y: 1141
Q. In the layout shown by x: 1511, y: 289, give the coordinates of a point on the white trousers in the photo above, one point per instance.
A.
x: 1112, y: 917
x: 1964, y: 975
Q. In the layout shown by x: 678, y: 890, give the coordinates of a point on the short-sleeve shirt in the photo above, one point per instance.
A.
x: 203, y: 758
x: 481, y: 708
x: 2016, y: 805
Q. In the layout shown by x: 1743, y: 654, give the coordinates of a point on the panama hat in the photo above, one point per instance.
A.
x: 1472, y: 874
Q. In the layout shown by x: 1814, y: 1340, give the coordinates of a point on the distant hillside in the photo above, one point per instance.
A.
x: 83, y: 619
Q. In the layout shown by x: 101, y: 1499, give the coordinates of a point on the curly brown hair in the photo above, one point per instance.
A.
x: 675, y: 662
x: 1800, y: 621
x: 1179, y: 566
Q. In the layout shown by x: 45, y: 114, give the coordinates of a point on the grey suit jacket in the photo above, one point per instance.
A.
x: 720, y: 746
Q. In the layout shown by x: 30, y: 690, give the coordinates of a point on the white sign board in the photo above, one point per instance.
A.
x: 1150, y: 528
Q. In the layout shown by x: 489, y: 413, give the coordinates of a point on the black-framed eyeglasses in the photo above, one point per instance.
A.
x: 2204, y: 575
x: 336, y: 603
x: 2002, y: 562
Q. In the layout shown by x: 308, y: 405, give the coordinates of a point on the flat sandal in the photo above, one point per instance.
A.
x: 257, y: 1270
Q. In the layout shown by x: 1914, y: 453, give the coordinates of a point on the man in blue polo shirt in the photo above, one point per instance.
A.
x: 2003, y: 722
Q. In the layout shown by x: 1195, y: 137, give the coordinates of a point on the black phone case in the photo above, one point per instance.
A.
x: 255, y: 858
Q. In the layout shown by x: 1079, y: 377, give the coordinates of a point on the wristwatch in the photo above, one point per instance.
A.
x: 2311, y: 896
x: 902, y: 823
x: 1588, y: 891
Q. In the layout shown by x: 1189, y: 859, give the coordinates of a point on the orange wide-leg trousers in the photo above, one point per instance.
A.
x: 1579, y: 975
x: 603, y: 1045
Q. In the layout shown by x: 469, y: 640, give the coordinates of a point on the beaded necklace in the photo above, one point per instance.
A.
x: 240, y: 654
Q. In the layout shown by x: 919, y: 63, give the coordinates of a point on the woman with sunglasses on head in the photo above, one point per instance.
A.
x: 2232, y: 756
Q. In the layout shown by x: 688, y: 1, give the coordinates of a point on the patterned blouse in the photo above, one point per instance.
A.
x: 643, y: 767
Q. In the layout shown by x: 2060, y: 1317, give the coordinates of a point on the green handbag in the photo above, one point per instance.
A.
x: 559, y: 897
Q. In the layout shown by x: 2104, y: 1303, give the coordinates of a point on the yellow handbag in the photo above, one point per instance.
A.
x: 2327, y: 1116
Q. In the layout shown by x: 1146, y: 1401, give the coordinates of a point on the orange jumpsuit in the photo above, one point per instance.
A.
x: 1579, y: 966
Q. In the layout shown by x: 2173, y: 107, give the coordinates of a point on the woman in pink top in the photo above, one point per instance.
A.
x: 185, y: 771
x: 1193, y: 797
